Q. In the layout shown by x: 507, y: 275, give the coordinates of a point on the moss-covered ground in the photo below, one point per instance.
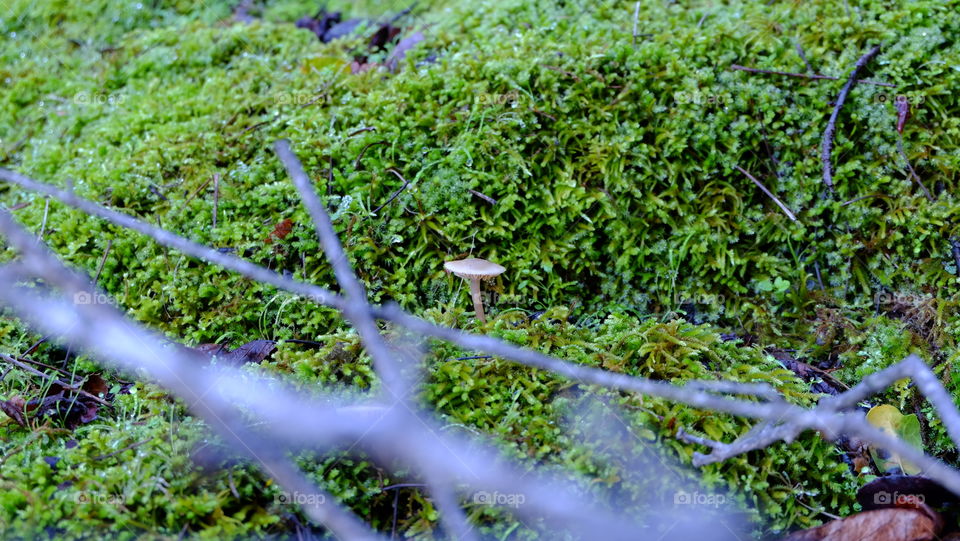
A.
x: 605, y: 159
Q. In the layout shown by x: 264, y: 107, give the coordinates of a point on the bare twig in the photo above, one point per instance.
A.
x: 955, y: 247
x: 118, y: 451
x: 356, y: 163
x: 60, y: 382
x: 832, y: 123
x: 805, y: 75
x: 361, y: 130
x: 768, y: 192
x: 103, y: 260
x: 355, y: 307
x: 913, y: 174
x: 803, y: 57
x: 636, y: 22
x: 395, y: 194
x: 485, y: 197
x: 46, y: 211
x: 216, y: 198
x: 861, y: 198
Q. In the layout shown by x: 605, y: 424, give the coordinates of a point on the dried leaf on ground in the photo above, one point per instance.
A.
x: 893, y: 524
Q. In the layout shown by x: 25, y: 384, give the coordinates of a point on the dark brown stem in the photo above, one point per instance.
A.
x: 477, y: 300
x: 913, y: 174
x: 832, y: 123
x: 768, y: 192
x: 805, y: 75
x: 61, y: 383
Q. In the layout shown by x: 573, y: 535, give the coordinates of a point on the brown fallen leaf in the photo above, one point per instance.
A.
x: 281, y: 231
x: 70, y: 411
x: 251, y: 352
x: 95, y: 385
x: 893, y: 524
x: 254, y: 351
x: 14, y: 408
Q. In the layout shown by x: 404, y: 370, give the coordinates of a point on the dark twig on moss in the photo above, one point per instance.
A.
x: 738, y: 67
x: 330, y: 177
x: 955, y: 245
x: 768, y: 192
x: 216, y: 198
x: 861, y: 198
x: 396, y: 193
x: 803, y: 57
x: 34, y: 347
x: 827, y: 143
x: 118, y: 451
x: 565, y: 72
x: 913, y: 174
x: 356, y: 163
x: 23, y: 358
x: 65, y: 385
x: 103, y: 260
x: 485, y: 197
x: 361, y: 130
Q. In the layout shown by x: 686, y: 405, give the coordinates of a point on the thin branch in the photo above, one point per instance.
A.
x: 803, y: 56
x: 485, y: 197
x: 118, y: 451
x: 913, y: 174
x: 395, y: 194
x: 103, y: 260
x: 216, y: 198
x: 955, y: 246
x: 355, y: 307
x: 738, y: 67
x: 69, y: 386
x: 46, y: 210
x: 832, y: 123
x: 768, y: 192
x: 356, y: 163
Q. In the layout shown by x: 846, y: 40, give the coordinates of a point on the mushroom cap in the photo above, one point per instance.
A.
x: 473, y: 267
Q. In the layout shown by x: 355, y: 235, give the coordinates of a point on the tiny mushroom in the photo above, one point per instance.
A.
x: 473, y: 270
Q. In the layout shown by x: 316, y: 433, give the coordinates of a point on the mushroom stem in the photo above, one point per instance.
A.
x: 477, y: 301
